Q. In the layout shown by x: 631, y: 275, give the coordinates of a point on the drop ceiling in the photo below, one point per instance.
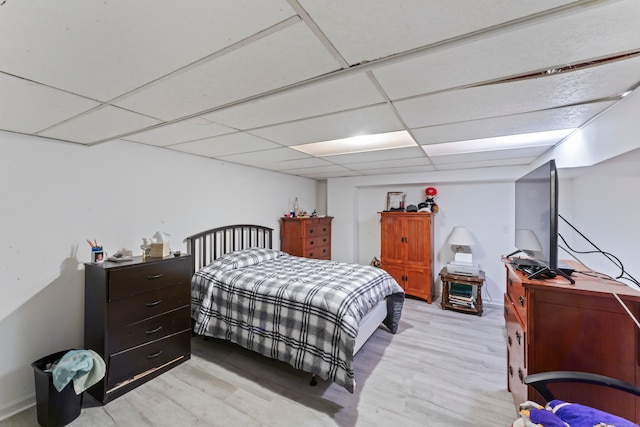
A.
x: 243, y: 81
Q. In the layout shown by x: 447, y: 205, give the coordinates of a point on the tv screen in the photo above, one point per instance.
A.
x: 536, y: 219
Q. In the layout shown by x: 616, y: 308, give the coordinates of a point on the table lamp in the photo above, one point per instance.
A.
x: 462, y: 239
x: 527, y: 241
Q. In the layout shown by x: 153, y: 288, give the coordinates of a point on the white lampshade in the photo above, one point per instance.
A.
x: 526, y: 240
x: 460, y: 236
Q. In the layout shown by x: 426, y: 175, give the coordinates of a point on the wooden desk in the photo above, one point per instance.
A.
x: 473, y: 281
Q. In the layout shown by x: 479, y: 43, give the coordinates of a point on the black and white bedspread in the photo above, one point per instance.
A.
x: 301, y: 311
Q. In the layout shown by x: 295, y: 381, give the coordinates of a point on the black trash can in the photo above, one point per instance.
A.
x: 55, y: 408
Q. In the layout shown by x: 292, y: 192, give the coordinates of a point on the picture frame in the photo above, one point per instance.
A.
x: 395, y: 200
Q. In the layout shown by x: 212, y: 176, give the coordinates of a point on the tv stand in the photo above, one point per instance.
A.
x: 554, y: 326
x: 535, y: 269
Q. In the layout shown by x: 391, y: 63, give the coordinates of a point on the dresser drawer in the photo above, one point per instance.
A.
x: 136, y: 361
x: 128, y: 281
x: 321, y: 252
x: 125, y: 311
x: 316, y: 241
x: 516, y: 292
x: 149, y: 330
x: 516, y: 373
x: 515, y: 331
x: 316, y: 228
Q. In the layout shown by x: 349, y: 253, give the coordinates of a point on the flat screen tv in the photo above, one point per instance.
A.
x: 536, y: 221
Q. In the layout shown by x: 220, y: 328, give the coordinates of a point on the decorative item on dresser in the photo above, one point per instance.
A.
x: 306, y: 237
x: 137, y: 317
x: 553, y: 325
x: 406, y: 251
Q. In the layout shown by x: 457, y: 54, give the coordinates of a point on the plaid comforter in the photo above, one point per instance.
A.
x: 301, y: 311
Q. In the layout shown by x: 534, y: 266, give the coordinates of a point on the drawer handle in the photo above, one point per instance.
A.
x: 157, y: 276
x: 154, y: 355
x: 510, y: 370
x: 311, y: 231
x: 521, y: 375
x: 324, y: 240
x: 510, y: 282
x: 518, y: 336
x: 312, y: 242
x: 153, y: 304
x: 310, y: 254
x: 324, y: 229
x: 506, y: 311
x: 509, y: 340
x: 521, y: 299
x: 153, y: 331
x: 324, y: 251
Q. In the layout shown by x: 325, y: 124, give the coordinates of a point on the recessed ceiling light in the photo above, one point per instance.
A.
x: 358, y: 144
x: 524, y: 140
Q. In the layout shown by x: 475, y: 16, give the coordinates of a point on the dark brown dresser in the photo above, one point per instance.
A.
x: 137, y: 317
x: 306, y: 237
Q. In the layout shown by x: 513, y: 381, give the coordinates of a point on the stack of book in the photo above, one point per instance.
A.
x: 461, y: 295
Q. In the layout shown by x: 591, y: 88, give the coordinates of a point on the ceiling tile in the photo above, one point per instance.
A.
x: 361, y: 32
x: 104, y: 49
x: 369, y: 120
x: 420, y: 162
x: 537, y: 121
x: 288, y: 56
x: 187, y: 130
x: 310, y: 162
x: 388, y: 171
x: 380, y: 155
x: 265, y: 158
x: 225, y: 145
x: 102, y: 123
x: 489, y: 155
x: 592, y: 31
x: 30, y: 107
x: 521, y: 96
x: 321, y: 98
x: 516, y: 161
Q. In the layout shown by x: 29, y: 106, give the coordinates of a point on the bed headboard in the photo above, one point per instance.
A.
x: 209, y: 245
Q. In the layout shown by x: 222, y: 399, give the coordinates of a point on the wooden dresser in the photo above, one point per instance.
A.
x: 306, y: 237
x: 137, y: 317
x: 555, y: 326
x: 406, y: 251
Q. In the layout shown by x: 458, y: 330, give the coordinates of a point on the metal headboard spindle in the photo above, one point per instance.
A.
x: 210, y: 245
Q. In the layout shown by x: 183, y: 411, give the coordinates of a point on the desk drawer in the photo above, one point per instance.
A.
x: 149, y: 330
x: 139, y: 307
x: 141, y: 278
x: 128, y: 364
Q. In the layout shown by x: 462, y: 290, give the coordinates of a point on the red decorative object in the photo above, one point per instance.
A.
x: 431, y: 191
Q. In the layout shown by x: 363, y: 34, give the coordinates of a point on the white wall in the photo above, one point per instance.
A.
x: 599, y: 197
x: 56, y: 195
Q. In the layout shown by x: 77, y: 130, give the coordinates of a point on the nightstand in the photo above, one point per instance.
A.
x: 462, y: 293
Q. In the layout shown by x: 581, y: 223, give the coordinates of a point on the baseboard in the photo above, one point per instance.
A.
x: 17, y: 406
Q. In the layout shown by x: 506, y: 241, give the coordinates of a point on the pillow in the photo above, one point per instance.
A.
x: 244, y: 258
x: 577, y: 415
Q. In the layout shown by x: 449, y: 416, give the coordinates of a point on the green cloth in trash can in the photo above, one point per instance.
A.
x: 84, y: 367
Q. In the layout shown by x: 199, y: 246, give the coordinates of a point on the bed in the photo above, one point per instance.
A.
x: 313, y: 314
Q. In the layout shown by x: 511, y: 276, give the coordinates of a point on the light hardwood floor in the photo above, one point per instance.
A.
x: 442, y: 369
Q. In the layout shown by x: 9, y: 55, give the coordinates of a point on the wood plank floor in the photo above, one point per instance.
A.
x: 442, y: 369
